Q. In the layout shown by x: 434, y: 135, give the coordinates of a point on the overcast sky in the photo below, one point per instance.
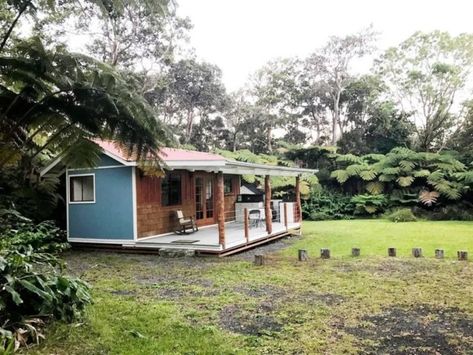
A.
x: 241, y: 35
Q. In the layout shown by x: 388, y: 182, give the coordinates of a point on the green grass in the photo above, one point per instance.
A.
x: 144, y: 304
x: 375, y: 236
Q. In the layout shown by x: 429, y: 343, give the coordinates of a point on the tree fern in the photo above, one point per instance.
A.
x: 340, y: 175
x: 374, y: 187
x: 405, y: 181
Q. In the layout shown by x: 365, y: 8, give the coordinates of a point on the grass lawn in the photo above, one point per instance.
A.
x: 145, y: 304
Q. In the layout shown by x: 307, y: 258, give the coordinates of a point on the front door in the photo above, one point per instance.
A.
x: 204, y: 199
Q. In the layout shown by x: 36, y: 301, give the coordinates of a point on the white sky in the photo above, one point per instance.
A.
x: 241, y: 35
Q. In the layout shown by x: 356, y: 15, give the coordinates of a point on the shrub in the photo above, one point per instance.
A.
x: 33, y: 288
x: 402, y: 215
x: 369, y: 204
x: 458, y: 212
x: 327, y: 205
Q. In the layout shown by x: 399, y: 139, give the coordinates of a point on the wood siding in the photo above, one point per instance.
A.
x: 230, y: 199
x: 154, y: 219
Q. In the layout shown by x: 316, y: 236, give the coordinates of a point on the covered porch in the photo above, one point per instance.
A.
x: 231, y: 229
x: 237, y: 237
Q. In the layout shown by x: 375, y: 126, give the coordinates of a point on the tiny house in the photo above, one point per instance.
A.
x: 116, y: 204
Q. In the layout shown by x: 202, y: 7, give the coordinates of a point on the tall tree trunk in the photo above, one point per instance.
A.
x: 13, y: 24
x: 335, y: 116
x: 269, y: 139
x: 234, y: 144
x: 189, y: 126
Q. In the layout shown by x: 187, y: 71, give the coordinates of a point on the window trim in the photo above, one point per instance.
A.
x: 69, y: 189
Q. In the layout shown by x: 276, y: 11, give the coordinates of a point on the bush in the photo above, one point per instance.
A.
x: 33, y: 288
x: 369, y: 204
x: 402, y: 215
x: 327, y: 205
x: 19, y: 231
x: 458, y: 212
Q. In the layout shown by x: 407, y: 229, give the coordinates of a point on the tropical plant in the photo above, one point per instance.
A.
x: 402, y: 215
x: 323, y: 204
x: 33, y: 288
x: 406, y: 176
x: 369, y: 204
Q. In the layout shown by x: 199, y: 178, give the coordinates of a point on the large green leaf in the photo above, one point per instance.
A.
x: 405, y: 181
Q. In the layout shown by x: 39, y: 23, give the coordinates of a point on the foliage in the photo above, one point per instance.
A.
x: 426, y: 72
x: 282, y: 186
x: 368, y: 204
x: 324, y: 204
x: 403, y: 173
x: 20, y: 232
x: 457, y: 212
x: 402, y: 215
x: 188, y: 91
x: 33, y: 288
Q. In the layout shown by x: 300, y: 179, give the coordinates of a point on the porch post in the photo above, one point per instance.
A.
x: 267, y: 204
x: 298, y: 198
x: 220, y: 209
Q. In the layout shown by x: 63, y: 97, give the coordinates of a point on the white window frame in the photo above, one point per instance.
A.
x: 69, y: 189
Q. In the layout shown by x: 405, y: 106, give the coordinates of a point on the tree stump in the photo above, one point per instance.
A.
x: 259, y: 260
x: 355, y: 251
x: 439, y: 253
x: 303, y: 256
x: 417, y: 252
x: 462, y: 255
x: 391, y: 251
x: 325, y: 253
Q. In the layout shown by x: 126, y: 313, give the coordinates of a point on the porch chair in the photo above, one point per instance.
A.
x: 185, y: 223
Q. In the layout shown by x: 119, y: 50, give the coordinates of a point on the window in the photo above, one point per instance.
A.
x: 227, y: 184
x: 171, y: 190
x: 81, y: 188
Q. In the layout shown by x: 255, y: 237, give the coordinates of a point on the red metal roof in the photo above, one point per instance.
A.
x: 166, y: 154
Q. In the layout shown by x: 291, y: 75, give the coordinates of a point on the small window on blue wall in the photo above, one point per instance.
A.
x: 171, y: 190
x: 82, y: 188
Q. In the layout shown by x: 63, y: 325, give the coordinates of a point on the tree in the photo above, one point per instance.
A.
x: 333, y: 63
x: 129, y: 34
x: 54, y: 103
x: 210, y: 134
x: 462, y: 139
x: 195, y: 90
x: 54, y: 100
x: 272, y: 87
x: 312, y: 101
x: 236, y: 115
x: 374, y: 125
x: 425, y: 73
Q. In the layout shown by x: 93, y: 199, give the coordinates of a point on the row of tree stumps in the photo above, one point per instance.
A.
x: 303, y: 255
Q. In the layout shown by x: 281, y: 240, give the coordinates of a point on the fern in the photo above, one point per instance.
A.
x: 374, y: 187
x: 391, y: 171
x: 421, y: 173
x: 356, y: 169
x: 405, y: 181
x: 428, y: 198
x: 349, y: 158
x: 340, y: 175
x: 466, y: 177
x: 368, y: 175
x: 387, y: 177
x: 407, y: 165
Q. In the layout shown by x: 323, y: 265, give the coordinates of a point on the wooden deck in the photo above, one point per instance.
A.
x: 206, y: 239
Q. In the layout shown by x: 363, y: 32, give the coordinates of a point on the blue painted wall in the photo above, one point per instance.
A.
x: 111, y: 216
